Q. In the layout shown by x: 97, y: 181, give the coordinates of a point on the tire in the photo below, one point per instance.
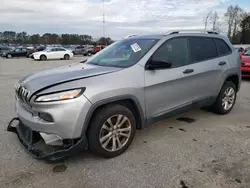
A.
x: 89, y: 54
x: 66, y: 57
x: 9, y: 56
x: 96, y: 131
x: 43, y: 58
x: 218, y: 106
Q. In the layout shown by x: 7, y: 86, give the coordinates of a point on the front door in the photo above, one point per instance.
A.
x: 171, y: 88
x: 51, y: 54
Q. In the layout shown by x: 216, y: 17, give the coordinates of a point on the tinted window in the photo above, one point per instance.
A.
x: 173, y: 51
x: 60, y: 49
x: 202, y: 49
x: 223, y: 47
x: 53, y: 50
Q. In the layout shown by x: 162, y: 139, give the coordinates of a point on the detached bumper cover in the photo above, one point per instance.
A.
x: 34, y: 144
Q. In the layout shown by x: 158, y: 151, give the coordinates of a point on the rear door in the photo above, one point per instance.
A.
x: 23, y: 52
x: 207, y: 64
x: 60, y: 52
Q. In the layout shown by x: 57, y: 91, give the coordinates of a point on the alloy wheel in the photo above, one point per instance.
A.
x: 115, y: 133
x: 228, y: 98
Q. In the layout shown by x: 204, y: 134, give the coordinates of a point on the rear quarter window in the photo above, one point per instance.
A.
x: 222, y: 46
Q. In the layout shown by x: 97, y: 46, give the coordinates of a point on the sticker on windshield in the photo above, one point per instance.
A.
x: 135, y: 47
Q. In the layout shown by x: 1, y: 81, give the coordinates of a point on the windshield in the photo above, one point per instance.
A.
x: 247, y: 53
x: 123, y: 53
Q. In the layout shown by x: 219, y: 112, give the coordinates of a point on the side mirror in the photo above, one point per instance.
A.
x: 158, y: 64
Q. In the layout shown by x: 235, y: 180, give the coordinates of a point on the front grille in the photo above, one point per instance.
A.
x: 22, y: 93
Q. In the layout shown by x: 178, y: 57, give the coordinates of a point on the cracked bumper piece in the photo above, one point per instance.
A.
x: 35, y: 144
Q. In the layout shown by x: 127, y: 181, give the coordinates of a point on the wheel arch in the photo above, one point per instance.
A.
x: 235, y: 79
x: 42, y: 55
x: 129, y: 101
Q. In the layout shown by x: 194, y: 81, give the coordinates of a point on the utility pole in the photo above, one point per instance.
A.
x: 103, y: 21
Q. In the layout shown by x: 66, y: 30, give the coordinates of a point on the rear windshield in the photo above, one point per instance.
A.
x: 123, y: 53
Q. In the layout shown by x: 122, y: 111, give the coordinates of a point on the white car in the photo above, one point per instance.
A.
x: 53, y: 53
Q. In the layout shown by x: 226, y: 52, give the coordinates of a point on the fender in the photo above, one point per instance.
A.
x: 142, y: 120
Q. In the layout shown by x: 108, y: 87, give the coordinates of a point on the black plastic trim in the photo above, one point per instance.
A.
x: 55, y: 156
x: 178, y: 110
x: 110, y: 100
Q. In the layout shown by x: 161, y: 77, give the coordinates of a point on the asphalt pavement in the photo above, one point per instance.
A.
x: 200, y: 150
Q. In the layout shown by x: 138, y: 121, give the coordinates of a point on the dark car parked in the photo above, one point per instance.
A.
x: 4, y: 49
x: 18, y: 52
x: 79, y: 50
x: 37, y: 49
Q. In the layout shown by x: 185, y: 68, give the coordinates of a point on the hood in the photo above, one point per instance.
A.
x: 51, y: 77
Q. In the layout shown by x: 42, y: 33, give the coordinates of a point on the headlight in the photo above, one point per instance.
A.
x: 60, y: 96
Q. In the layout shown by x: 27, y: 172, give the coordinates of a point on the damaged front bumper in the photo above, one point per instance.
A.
x: 34, y: 144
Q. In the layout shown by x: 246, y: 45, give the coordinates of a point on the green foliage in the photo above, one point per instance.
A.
x: 245, y: 32
x: 50, y: 38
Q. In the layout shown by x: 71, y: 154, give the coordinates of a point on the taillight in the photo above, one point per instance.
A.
x: 245, y: 63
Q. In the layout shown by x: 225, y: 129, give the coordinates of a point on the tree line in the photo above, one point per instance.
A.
x: 236, y: 23
x: 51, y: 38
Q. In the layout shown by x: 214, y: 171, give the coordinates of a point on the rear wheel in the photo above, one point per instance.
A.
x: 43, y: 58
x: 226, y: 99
x: 89, y: 54
x: 111, y: 131
x: 66, y: 57
x: 9, y: 56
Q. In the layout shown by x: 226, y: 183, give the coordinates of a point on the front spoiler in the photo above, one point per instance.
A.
x: 35, y: 146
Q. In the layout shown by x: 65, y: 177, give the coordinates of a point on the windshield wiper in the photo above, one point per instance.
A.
x: 83, y: 61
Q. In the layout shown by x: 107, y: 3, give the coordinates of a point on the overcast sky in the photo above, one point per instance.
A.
x: 123, y: 17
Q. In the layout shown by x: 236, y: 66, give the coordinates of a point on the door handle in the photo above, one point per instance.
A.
x: 222, y: 63
x: 188, y: 71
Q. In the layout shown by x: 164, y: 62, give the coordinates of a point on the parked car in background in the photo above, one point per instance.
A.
x: 4, y: 49
x: 79, y: 50
x: 241, y: 51
x: 18, y: 52
x: 245, y: 64
x: 53, y: 53
x: 100, y: 102
x: 36, y: 49
x: 247, y: 49
x: 88, y: 51
x: 98, y: 48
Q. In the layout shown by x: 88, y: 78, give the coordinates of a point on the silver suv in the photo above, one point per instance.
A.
x: 98, y: 104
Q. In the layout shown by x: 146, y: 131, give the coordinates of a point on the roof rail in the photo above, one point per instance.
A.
x: 191, y: 31
x: 133, y: 35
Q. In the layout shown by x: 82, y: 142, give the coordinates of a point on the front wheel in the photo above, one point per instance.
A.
x: 226, y: 99
x: 43, y: 58
x: 111, y: 131
x: 9, y: 56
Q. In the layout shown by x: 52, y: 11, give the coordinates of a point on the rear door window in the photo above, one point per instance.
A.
x: 223, y: 48
x: 202, y: 49
x: 60, y: 49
